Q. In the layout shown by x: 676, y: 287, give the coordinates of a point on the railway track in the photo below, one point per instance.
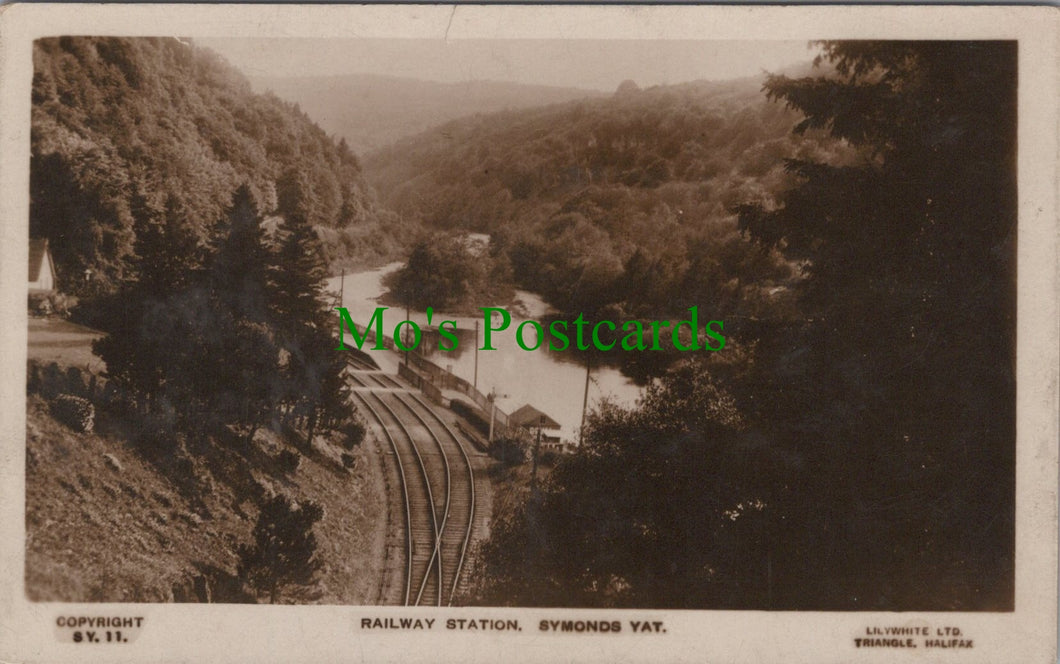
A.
x: 437, y: 483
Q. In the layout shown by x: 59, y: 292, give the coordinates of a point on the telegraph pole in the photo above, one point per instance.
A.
x: 492, y: 397
x: 406, y: 339
x: 475, y: 385
x: 585, y: 398
x: 493, y: 412
x: 537, y: 446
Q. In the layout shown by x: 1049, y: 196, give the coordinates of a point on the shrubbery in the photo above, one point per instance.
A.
x: 284, y: 547
x: 348, y: 460
x: 75, y: 412
x: 288, y: 461
x: 512, y: 449
x: 352, y: 433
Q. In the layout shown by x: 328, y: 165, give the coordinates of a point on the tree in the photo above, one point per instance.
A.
x: 897, y: 387
x: 293, y: 196
x: 859, y: 452
x: 240, y: 345
x: 441, y: 272
x: 114, y: 115
x: 168, y: 249
x: 78, y: 201
x: 241, y: 262
x: 659, y: 507
x: 284, y: 547
x: 166, y: 261
x: 314, y: 372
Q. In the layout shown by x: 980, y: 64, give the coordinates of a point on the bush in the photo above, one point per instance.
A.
x: 75, y: 382
x: 348, y: 460
x: 75, y: 412
x: 284, y: 548
x: 288, y: 461
x: 352, y: 433
x: 34, y: 380
x: 52, y: 381
x: 512, y: 449
x: 549, y: 458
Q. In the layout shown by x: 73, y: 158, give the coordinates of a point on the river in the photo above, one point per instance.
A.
x: 553, y: 382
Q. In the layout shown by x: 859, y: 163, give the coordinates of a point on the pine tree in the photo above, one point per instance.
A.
x: 168, y: 251
x: 314, y: 372
x: 131, y: 363
x: 167, y: 256
x: 284, y: 547
x: 240, y: 350
x: 897, y: 389
x: 241, y: 264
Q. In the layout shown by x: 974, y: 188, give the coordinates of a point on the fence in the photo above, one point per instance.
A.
x: 431, y: 379
x: 446, y: 380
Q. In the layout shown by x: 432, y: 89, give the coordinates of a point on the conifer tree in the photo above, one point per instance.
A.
x: 241, y: 264
x: 167, y: 256
x: 897, y: 388
x: 130, y: 356
x: 314, y: 380
x: 168, y: 251
x: 284, y: 547
x: 240, y: 352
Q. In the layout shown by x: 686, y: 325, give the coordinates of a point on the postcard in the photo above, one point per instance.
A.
x: 530, y: 333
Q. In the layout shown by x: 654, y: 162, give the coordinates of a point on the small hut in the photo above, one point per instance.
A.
x: 529, y: 417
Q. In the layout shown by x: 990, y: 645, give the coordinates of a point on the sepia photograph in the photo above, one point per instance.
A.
x: 676, y: 327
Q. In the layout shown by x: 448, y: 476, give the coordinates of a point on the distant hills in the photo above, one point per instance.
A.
x: 372, y: 111
x: 626, y: 198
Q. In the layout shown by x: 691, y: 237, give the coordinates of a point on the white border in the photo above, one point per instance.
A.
x: 313, y: 634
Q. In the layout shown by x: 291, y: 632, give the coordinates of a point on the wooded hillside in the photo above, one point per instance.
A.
x: 625, y: 200
x: 161, y: 119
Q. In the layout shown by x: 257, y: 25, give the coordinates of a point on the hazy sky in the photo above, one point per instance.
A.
x: 594, y: 64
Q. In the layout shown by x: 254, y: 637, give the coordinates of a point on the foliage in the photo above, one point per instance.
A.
x: 513, y: 448
x: 352, y: 432
x: 233, y: 332
x: 858, y: 451
x: 896, y: 392
x: 620, y: 200
x: 196, y: 342
x: 641, y: 515
x: 75, y: 412
x: 314, y: 379
x: 114, y: 119
x: 449, y: 273
x: 288, y: 461
x: 283, y: 552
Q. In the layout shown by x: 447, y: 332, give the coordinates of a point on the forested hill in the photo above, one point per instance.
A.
x: 121, y: 123
x: 373, y: 111
x: 626, y: 199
